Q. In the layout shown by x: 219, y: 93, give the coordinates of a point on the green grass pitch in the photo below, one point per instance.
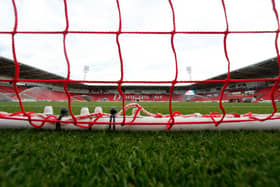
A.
x: 77, y: 158
x: 154, y: 107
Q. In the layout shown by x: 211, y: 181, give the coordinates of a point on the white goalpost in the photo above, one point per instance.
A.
x: 136, y: 122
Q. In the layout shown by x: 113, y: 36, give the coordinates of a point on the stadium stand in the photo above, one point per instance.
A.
x: 207, y: 92
x: 6, y: 89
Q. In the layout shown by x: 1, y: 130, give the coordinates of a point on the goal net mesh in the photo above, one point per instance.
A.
x: 183, y: 30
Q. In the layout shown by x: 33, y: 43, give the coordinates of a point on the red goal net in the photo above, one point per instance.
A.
x: 176, y: 24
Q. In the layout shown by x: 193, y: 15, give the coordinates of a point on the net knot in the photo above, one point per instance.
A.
x: 176, y: 113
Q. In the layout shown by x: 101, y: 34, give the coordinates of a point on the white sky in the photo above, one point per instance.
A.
x: 145, y: 57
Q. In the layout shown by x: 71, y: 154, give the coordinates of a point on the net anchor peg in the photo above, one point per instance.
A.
x: 113, y: 112
x: 98, y: 109
x: 85, y: 112
x: 48, y: 110
x: 63, y: 113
